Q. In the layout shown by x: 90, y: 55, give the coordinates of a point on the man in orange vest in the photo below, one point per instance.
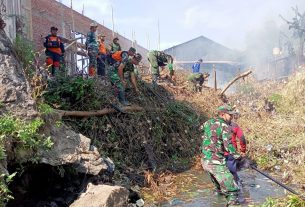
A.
x: 116, y: 65
x: 54, y: 50
x: 101, y: 58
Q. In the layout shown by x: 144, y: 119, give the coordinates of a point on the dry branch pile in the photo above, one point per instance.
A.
x: 159, y: 131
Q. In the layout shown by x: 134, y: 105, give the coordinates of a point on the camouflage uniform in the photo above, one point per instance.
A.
x: 115, y: 80
x: 93, y: 50
x: 217, y: 140
x: 156, y: 59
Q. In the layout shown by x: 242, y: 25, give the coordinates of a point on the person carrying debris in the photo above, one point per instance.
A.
x: 237, y: 136
x: 197, y: 80
x: 216, y: 141
x: 116, y: 64
x: 170, y: 67
x: 115, y: 45
x: 92, y: 48
x: 55, y: 49
x: 101, y: 58
x: 157, y: 59
x: 196, y: 66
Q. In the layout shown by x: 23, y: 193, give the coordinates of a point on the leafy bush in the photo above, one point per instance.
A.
x: 26, y: 135
x: 5, y: 193
x: 45, y: 109
x: 23, y: 132
x: 71, y: 93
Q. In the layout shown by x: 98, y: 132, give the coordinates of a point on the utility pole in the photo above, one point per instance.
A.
x: 112, y: 22
x: 158, y: 35
x: 72, y: 16
x: 132, y: 38
x: 148, y: 42
x: 83, y: 11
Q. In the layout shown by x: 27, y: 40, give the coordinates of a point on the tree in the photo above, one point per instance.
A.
x: 298, y: 26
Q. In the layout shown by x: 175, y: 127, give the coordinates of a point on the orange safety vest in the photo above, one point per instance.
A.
x: 54, y: 40
x: 102, y: 48
x: 117, y: 56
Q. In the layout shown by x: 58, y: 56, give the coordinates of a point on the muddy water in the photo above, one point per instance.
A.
x: 197, y: 190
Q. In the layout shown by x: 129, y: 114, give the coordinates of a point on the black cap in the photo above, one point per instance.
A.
x: 54, y: 28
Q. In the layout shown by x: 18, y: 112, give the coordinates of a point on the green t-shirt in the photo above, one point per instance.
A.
x: 170, y: 66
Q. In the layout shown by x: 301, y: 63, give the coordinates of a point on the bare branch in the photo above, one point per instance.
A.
x: 235, y: 79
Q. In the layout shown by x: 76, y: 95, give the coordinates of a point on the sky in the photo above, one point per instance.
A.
x: 227, y: 22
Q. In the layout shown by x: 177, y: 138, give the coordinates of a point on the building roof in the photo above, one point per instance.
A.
x: 204, y: 48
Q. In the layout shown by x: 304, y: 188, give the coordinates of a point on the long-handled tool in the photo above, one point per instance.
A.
x: 277, y: 182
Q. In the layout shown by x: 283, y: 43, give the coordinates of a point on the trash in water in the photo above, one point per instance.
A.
x: 254, y: 186
x: 140, y: 202
x: 175, y: 201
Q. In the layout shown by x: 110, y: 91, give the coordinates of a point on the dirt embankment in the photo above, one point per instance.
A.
x: 272, y: 116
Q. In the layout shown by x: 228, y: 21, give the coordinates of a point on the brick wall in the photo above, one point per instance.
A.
x: 47, y: 13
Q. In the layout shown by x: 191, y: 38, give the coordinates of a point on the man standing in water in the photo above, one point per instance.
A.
x: 216, y: 141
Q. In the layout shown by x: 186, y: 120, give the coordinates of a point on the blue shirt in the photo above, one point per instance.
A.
x: 196, y: 67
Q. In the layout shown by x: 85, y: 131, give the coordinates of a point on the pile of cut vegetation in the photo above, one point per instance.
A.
x: 163, y: 133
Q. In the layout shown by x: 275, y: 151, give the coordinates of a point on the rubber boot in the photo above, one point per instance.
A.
x: 154, y: 81
x: 122, y: 99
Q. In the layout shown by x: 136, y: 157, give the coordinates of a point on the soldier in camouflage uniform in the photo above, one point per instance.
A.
x: 116, y: 74
x: 115, y: 45
x: 157, y: 59
x: 92, y: 48
x: 216, y: 141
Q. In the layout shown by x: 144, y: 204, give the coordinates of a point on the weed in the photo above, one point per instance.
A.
x: 275, y: 99
x: 5, y: 193
x: 24, y: 51
x: 45, y: 109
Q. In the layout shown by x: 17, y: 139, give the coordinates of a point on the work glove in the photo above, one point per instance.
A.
x: 246, y: 162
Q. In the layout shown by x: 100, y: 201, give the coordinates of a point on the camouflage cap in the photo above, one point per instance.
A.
x: 226, y: 109
x: 162, y: 56
x: 93, y: 24
x: 132, y: 49
x: 138, y: 57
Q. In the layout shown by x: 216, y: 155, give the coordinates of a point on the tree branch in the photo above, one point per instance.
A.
x: 235, y: 79
x: 102, y: 112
